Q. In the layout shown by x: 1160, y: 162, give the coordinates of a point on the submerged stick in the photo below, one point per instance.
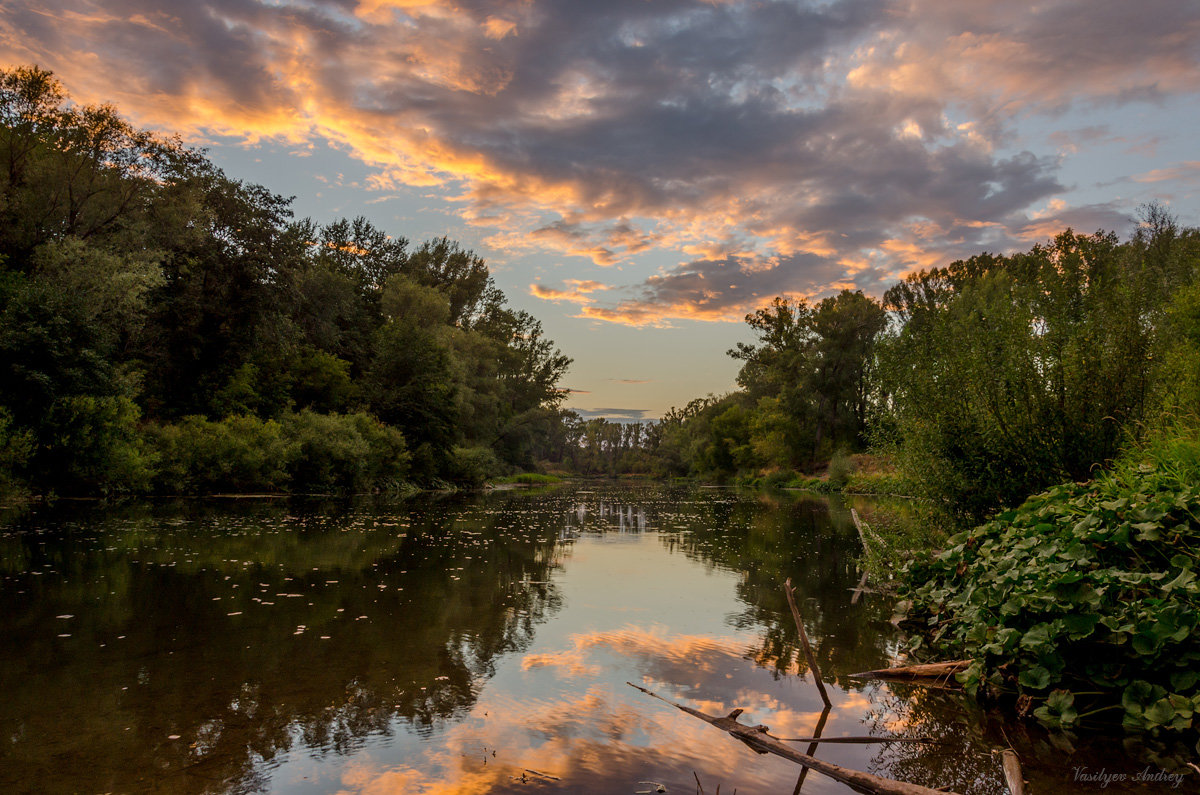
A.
x: 757, y: 738
x: 808, y: 652
x: 858, y: 526
x: 543, y: 775
x: 942, y: 670
x: 862, y: 586
x: 812, y: 748
x: 1011, y: 765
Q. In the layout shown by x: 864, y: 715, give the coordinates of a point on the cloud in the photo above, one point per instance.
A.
x: 1188, y: 171
x: 591, y: 729
x: 577, y: 290
x: 768, y: 147
x: 998, y: 59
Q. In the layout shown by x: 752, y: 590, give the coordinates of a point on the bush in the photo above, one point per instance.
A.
x: 91, y: 443
x: 1086, y: 588
x: 16, y: 445
x: 343, y: 453
x: 839, y: 470
x: 472, y: 466
x: 301, y: 452
x: 239, y: 453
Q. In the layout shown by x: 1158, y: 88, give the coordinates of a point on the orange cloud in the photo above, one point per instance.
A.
x: 597, y: 730
x: 550, y: 127
x: 1188, y: 170
x: 579, y: 291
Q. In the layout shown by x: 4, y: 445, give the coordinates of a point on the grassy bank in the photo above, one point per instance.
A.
x: 864, y: 473
x: 527, y: 479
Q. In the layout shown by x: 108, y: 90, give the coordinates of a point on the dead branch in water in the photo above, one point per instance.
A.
x: 939, y: 672
x: 861, y: 588
x: 858, y: 526
x: 1011, y: 765
x: 758, y: 739
x: 808, y: 652
x: 857, y: 740
x: 812, y: 748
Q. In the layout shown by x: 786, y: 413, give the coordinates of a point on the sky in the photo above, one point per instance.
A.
x: 641, y: 174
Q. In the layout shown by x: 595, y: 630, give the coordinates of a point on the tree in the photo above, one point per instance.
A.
x: 810, y: 376
x: 1026, y: 371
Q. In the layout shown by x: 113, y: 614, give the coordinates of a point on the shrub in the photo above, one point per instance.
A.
x: 343, y: 452
x: 839, y: 470
x: 16, y: 445
x: 472, y: 466
x: 239, y: 453
x: 91, y: 443
x: 301, y: 452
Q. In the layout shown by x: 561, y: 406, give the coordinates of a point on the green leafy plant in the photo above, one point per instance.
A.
x: 1084, y: 598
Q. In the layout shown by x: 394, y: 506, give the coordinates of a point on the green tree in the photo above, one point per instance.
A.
x: 810, y: 376
x: 1024, y: 370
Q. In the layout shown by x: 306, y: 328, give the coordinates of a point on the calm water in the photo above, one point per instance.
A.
x: 455, y: 645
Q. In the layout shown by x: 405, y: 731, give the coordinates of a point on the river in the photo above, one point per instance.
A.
x: 464, y: 644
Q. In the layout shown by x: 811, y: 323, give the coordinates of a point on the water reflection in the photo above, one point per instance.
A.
x: 450, y: 646
x: 245, y: 631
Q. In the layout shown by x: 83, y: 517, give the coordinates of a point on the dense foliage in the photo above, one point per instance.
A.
x: 1084, y: 598
x: 1008, y: 374
x: 985, y: 381
x: 164, y: 326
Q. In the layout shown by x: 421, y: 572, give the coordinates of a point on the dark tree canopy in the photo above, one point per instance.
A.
x: 143, y: 290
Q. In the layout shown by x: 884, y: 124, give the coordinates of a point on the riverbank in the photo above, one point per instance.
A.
x: 1080, y: 608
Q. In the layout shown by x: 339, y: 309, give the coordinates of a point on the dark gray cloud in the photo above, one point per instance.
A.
x: 775, y: 146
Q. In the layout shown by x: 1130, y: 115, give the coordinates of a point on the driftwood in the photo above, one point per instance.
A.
x: 858, y: 526
x: 1011, y: 766
x: 808, y: 652
x: 857, y: 740
x: 916, y: 673
x: 758, y: 739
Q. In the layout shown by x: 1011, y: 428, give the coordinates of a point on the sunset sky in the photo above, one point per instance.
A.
x: 640, y: 174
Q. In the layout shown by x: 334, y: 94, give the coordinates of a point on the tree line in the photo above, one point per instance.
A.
x: 164, y: 327
x: 167, y: 328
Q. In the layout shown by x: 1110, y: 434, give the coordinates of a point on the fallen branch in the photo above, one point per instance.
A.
x: 812, y: 749
x: 858, y: 526
x: 858, y: 740
x: 757, y: 738
x: 1011, y: 765
x: 942, y: 670
x: 543, y: 775
x: 808, y: 652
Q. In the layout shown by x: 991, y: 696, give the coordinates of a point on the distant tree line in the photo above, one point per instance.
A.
x: 164, y: 327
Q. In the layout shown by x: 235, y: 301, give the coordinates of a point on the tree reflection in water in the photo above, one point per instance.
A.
x: 248, y: 629
x: 208, y: 646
